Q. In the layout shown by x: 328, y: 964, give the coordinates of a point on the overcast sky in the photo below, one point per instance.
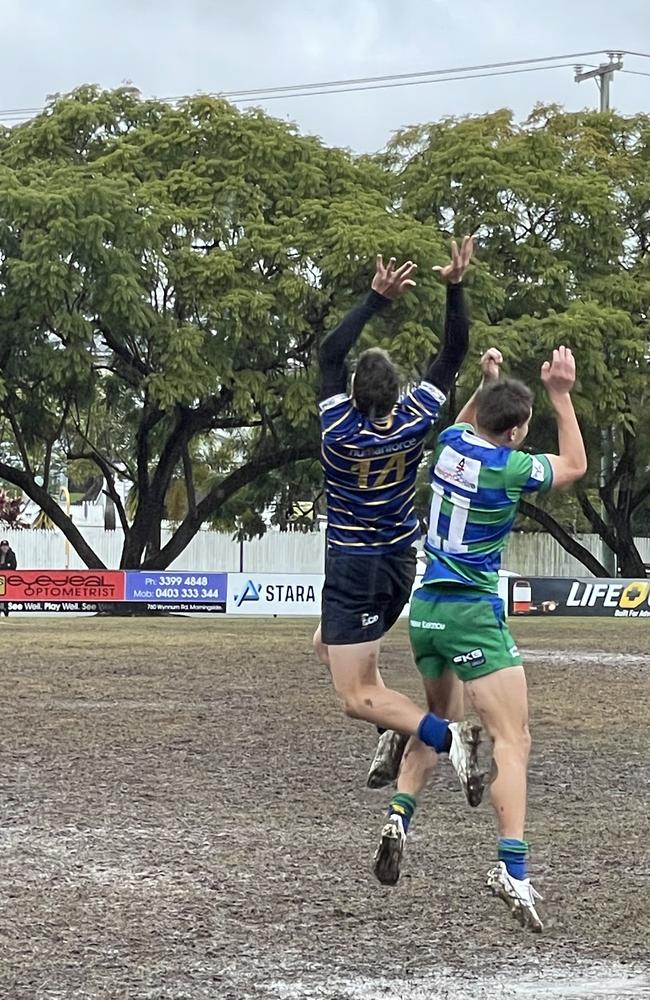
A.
x: 172, y: 48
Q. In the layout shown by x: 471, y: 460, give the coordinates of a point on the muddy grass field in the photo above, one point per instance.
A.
x: 184, y: 816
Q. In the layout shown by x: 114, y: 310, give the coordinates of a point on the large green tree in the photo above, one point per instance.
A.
x: 166, y: 274
x: 561, y: 207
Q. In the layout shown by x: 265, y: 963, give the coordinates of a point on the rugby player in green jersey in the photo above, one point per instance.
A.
x: 457, y: 622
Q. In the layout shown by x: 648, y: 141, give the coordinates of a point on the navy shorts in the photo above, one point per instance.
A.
x: 363, y: 596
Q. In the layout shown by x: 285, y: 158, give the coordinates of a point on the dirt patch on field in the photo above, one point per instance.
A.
x: 184, y: 815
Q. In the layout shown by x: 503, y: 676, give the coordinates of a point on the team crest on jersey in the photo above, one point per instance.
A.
x: 457, y: 469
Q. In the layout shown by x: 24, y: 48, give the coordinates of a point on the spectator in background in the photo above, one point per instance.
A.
x: 7, y: 562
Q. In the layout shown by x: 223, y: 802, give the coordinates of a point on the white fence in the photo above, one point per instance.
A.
x: 538, y: 554
x: 283, y: 552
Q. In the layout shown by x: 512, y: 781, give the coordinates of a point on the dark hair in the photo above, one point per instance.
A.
x: 376, y: 383
x: 503, y: 405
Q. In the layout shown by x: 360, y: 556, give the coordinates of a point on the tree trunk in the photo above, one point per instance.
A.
x: 630, y: 563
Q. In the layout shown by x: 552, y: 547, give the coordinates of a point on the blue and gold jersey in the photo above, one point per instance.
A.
x: 370, y: 469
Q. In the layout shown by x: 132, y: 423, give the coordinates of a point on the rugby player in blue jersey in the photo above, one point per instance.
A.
x: 372, y: 443
x: 457, y: 622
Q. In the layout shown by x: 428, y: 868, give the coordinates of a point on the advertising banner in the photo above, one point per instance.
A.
x: 579, y: 597
x: 274, y: 593
x: 181, y: 591
x: 54, y: 607
x: 73, y: 586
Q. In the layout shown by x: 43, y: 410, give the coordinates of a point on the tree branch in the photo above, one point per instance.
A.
x: 222, y: 492
x: 567, y: 541
x: 121, y: 350
x: 26, y: 483
x: 105, y: 468
x: 188, y: 472
x: 20, y: 441
x: 595, y: 520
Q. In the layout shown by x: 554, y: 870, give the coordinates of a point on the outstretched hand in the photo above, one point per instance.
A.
x: 391, y: 282
x: 491, y: 364
x: 454, y: 272
x: 559, y: 375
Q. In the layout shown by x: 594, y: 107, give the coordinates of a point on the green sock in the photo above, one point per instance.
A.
x: 404, y: 805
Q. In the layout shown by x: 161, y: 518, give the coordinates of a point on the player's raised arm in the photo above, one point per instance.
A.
x: 388, y: 283
x: 558, y: 377
x: 490, y: 370
x: 443, y: 369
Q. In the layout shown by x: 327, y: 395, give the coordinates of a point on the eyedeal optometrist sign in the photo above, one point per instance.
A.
x: 60, y: 590
x: 579, y: 597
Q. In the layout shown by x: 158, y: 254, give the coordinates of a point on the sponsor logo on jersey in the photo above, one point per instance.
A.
x: 457, y: 469
x: 537, y: 471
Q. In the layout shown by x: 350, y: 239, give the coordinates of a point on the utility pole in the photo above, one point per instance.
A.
x: 603, y: 76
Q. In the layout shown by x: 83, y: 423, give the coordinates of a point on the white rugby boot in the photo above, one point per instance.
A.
x: 518, y: 895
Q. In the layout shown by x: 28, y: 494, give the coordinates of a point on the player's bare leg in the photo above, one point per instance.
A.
x: 445, y: 699
x: 320, y: 648
x: 501, y: 701
x: 390, y: 746
x: 357, y: 682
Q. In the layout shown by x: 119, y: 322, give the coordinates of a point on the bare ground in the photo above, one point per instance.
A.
x: 184, y: 816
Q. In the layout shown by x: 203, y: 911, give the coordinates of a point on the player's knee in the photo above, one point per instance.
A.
x: 352, y: 704
x: 355, y: 702
x: 515, y: 742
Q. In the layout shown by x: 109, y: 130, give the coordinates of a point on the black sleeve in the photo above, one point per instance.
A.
x: 337, y: 343
x: 443, y: 369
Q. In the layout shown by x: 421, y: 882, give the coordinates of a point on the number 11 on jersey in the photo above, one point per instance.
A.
x: 458, y: 514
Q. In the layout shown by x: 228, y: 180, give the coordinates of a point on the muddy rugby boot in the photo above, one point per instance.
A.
x: 463, y: 754
x: 386, y: 762
x: 388, y: 855
x: 518, y: 895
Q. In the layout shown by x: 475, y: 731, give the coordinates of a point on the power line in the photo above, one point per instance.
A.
x: 634, y: 72
x: 407, y: 76
x: 404, y: 83
x: 361, y: 84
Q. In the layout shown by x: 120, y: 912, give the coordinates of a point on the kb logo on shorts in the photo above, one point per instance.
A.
x: 367, y: 620
x: 473, y: 659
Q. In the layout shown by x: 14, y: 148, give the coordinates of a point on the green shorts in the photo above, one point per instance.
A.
x: 463, y: 632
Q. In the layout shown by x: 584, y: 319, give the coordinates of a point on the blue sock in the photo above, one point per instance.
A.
x: 435, y: 733
x: 514, y: 854
x: 404, y: 805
